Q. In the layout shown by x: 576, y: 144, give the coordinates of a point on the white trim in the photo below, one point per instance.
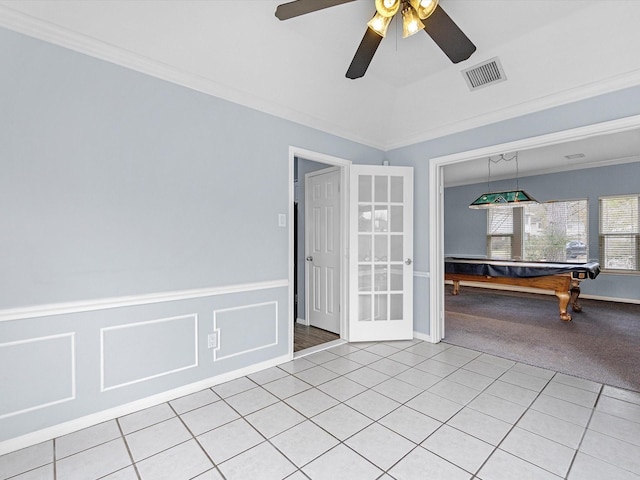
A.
x: 318, y: 348
x: 345, y: 168
x: 302, y: 321
x: 61, y: 429
x: 436, y: 197
x: 423, y: 336
x: 417, y: 273
x: 583, y: 92
x: 128, y: 301
x: 71, y: 397
x: 243, y: 307
x: 138, y: 324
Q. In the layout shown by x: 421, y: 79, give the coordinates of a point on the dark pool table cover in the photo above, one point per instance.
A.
x: 516, y: 269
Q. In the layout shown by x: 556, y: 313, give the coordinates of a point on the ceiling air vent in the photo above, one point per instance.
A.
x: 484, y: 74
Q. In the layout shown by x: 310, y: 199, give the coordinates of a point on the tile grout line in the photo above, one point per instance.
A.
x: 215, y: 466
x: 126, y: 444
x: 586, y: 428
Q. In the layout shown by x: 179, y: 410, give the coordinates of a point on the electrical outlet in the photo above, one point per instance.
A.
x: 212, y: 340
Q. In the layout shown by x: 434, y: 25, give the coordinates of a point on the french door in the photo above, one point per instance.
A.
x: 381, y: 253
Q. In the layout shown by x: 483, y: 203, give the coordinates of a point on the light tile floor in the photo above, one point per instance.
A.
x: 391, y: 410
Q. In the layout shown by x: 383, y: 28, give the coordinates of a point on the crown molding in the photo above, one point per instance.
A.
x: 60, y: 36
x: 51, y: 33
x: 583, y: 92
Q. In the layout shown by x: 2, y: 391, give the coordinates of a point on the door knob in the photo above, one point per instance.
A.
x: 309, y: 258
x: 408, y: 261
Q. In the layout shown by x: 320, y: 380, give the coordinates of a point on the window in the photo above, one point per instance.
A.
x: 500, y: 233
x: 552, y: 232
x: 620, y: 233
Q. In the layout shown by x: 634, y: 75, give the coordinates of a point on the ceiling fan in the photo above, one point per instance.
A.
x: 416, y: 15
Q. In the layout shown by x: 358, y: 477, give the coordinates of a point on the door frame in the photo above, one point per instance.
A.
x: 345, y: 169
x: 436, y: 199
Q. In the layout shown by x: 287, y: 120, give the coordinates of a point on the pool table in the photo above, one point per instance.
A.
x: 563, y: 278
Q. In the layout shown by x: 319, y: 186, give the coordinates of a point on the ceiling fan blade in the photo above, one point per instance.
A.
x: 364, y: 54
x: 301, y: 7
x: 448, y: 36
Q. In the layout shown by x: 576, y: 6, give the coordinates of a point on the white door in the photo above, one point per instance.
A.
x: 381, y: 253
x: 322, y: 251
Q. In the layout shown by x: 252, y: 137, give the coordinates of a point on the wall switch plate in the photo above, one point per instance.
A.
x: 212, y: 340
x: 282, y: 220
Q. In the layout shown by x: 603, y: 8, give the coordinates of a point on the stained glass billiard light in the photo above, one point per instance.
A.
x: 512, y: 198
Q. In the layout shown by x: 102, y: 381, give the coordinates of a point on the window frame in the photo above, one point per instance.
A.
x: 518, y: 235
x: 602, y: 237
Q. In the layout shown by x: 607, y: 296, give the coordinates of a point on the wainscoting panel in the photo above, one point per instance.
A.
x: 70, y: 365
x: 232, y: 326
x: 36, y: 373
x: 170, y: 345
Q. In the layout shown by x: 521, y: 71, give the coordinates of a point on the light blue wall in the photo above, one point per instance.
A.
x: 602, y: 108
x: 465, y: 229
x: 116, y: 184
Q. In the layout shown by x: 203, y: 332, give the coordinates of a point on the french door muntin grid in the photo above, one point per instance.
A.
x: 380, y: 247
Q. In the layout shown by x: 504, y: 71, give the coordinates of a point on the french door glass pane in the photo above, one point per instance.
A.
x: 396, y: 274
x: 364, y: 218
x: 381, y: 219
x: 380, y: 307
x: 381, y: 189
x: 364, y: 278
x: 364, y: 248
x: 364, y: 188
x: 381, y: 280
x: 396, y: 254
x: 396, y: 307
x: 397, y: 189
x: 396, y: 218
x: 364, y: 308
x: 381, y: 248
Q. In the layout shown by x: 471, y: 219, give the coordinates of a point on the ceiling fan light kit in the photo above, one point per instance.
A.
x: 437, y: 24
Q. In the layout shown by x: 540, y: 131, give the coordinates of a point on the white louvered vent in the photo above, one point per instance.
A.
x: 484, y: 74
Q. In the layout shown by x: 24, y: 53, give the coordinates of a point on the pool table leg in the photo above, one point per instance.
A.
x: 456, y: 287
x: 575, y: 293
x: 563, y: 301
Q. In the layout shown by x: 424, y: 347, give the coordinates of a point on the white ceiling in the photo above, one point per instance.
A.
x: 552, y: 51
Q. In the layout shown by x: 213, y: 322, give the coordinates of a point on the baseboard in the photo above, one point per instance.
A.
x: 302, y: 321
x: 61, y: 429
x: 423, y: 336
x: 318, y: 348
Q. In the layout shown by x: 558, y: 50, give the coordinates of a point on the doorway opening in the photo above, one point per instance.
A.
x: 312, y: 174
x: 436, y: 199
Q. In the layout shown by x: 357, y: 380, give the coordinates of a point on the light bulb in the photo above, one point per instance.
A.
x: 410, y: 22
x: 379, y: 24
x: 424, y: 8
x: 387, y: 8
